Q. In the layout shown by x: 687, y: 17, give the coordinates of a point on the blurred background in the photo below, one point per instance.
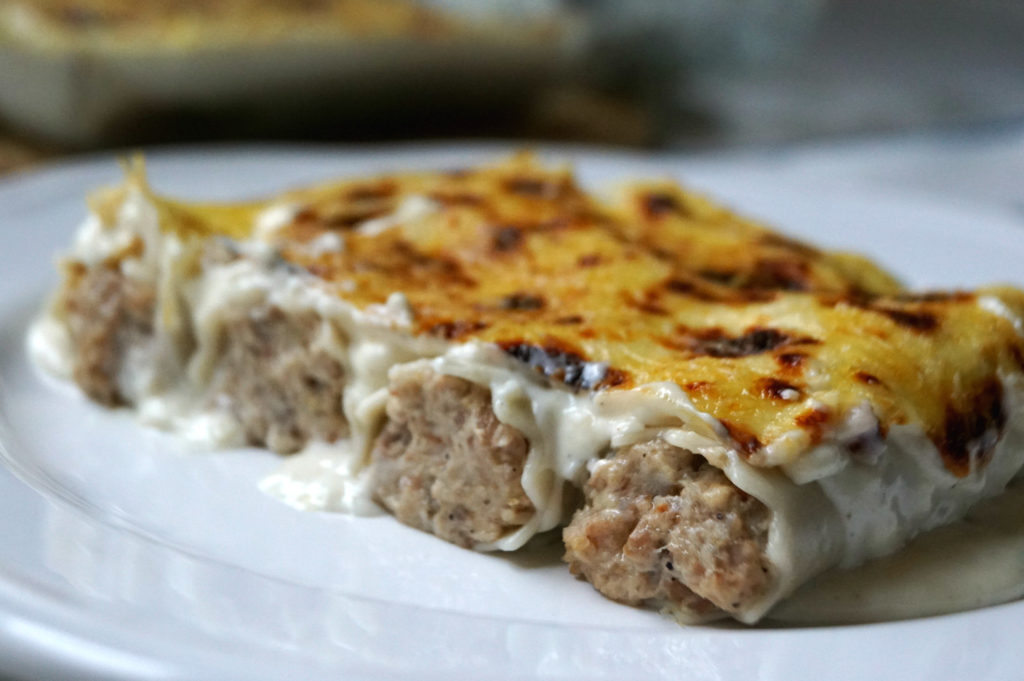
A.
x: 690, y: 75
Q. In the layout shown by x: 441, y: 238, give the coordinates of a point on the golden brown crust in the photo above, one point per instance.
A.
x: 735, y: 251
x: 519, y: 256
x: 177, y: 27
x: 207, y: 23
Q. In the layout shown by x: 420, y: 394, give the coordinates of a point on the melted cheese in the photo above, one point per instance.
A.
x: 850, y: 416
x: 120, y: 24
x: 520, y: 258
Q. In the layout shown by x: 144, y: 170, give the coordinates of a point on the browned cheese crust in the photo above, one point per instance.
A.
x: 662, y: 527
x: 445, y: 464
x: 184, y: 24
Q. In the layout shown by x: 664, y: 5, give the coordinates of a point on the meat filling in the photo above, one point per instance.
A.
x: 662, y: 527
x: 659, y: 526
x: 281, y: 389
x: 108, y: 316
x: 443, y: 462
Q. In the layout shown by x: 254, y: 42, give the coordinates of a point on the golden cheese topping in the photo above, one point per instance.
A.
x: 667, y: 219
x: 188, y: 24
x: 780, y: 353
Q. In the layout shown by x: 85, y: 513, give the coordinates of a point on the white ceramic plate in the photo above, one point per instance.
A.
x: 125, y: 555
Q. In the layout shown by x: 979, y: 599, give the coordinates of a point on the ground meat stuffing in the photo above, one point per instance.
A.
x: 445, y: 464
x: 107, y: 315
x: 283, y: 390
x: 662, y: 527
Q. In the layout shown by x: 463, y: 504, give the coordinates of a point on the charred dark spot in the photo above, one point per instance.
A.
x: 692, y: 289
x: 374, y: 192
x: 656, y: 204
x: 785, y: 274
x: 571, y: 319
x: 680, y: 286
x: 588, y: 216
x: 649, y: 301
x: 522, y: 301
x: 724, y: 277
x: 662, y: 254
x: 557, y: 362
x: 456, y: 329
x: 589, y: 260
x: 934, y: 297
x: 716, y: 343
x: 712, y: 292
x: 1018, y: 355
x: 453, y: 272
x: 650, y: 307
x: 507, y: 238
x: 804, y: 340
x: 752, y: 295
x: 774, y: 389
x: 812, y: 417
x: 354, y: 215
x: 855, y: 298
x: 867, y: 379
x: 307, y: 214
x: 918, y: 321
x: 791, y: 360
x: 411, y: 262
x: 813, y: 421
x: 971, y: 435
x: 747, y: 441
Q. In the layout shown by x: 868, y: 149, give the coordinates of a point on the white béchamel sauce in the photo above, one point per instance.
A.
x: 972, y: 563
